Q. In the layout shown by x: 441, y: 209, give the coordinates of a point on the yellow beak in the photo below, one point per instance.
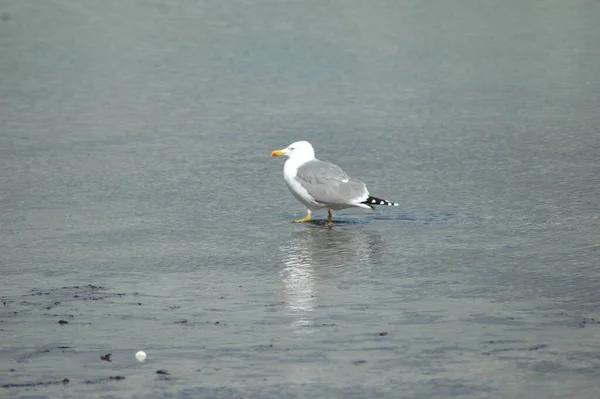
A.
x: 277, y: 153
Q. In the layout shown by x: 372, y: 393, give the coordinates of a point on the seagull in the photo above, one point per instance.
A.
x: 322, y: 185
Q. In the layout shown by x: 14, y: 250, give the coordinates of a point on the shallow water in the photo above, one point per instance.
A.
x: 139, y: 204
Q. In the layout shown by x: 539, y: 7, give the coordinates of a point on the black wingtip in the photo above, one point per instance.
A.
x: 378, y: 201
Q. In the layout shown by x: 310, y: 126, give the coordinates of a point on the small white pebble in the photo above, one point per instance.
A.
x: 140, y: 356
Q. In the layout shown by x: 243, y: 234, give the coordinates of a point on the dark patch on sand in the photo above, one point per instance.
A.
x: 37, y: 384
x: 586, y: 321
x: 510, y: 349
x: 104, y: 379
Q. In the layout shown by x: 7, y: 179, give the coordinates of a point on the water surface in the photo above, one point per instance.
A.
x: 139, y: 204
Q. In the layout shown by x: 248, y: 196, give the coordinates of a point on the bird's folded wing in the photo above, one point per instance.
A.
x: 329, y: 184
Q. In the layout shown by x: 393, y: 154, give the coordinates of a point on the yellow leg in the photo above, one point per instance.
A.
x: 305, y: 219
x: 329, y: 218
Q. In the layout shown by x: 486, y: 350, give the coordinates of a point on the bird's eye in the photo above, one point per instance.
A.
x: 291, y: 148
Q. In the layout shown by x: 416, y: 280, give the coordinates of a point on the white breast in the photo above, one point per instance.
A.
x: 289, y: 175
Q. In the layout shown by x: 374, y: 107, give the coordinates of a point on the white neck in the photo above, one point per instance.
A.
x: 298, y: 160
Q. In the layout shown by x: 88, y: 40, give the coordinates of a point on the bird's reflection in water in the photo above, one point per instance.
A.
x: 318, y: 253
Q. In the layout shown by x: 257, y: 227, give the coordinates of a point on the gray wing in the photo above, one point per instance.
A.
x: 329, y: 184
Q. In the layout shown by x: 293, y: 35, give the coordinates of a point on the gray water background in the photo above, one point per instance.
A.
x: 138, y: 201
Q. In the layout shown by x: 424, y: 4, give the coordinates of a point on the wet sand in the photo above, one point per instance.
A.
x: 140, y: 209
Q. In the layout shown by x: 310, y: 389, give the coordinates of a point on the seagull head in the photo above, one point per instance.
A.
x: 301, y: 151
